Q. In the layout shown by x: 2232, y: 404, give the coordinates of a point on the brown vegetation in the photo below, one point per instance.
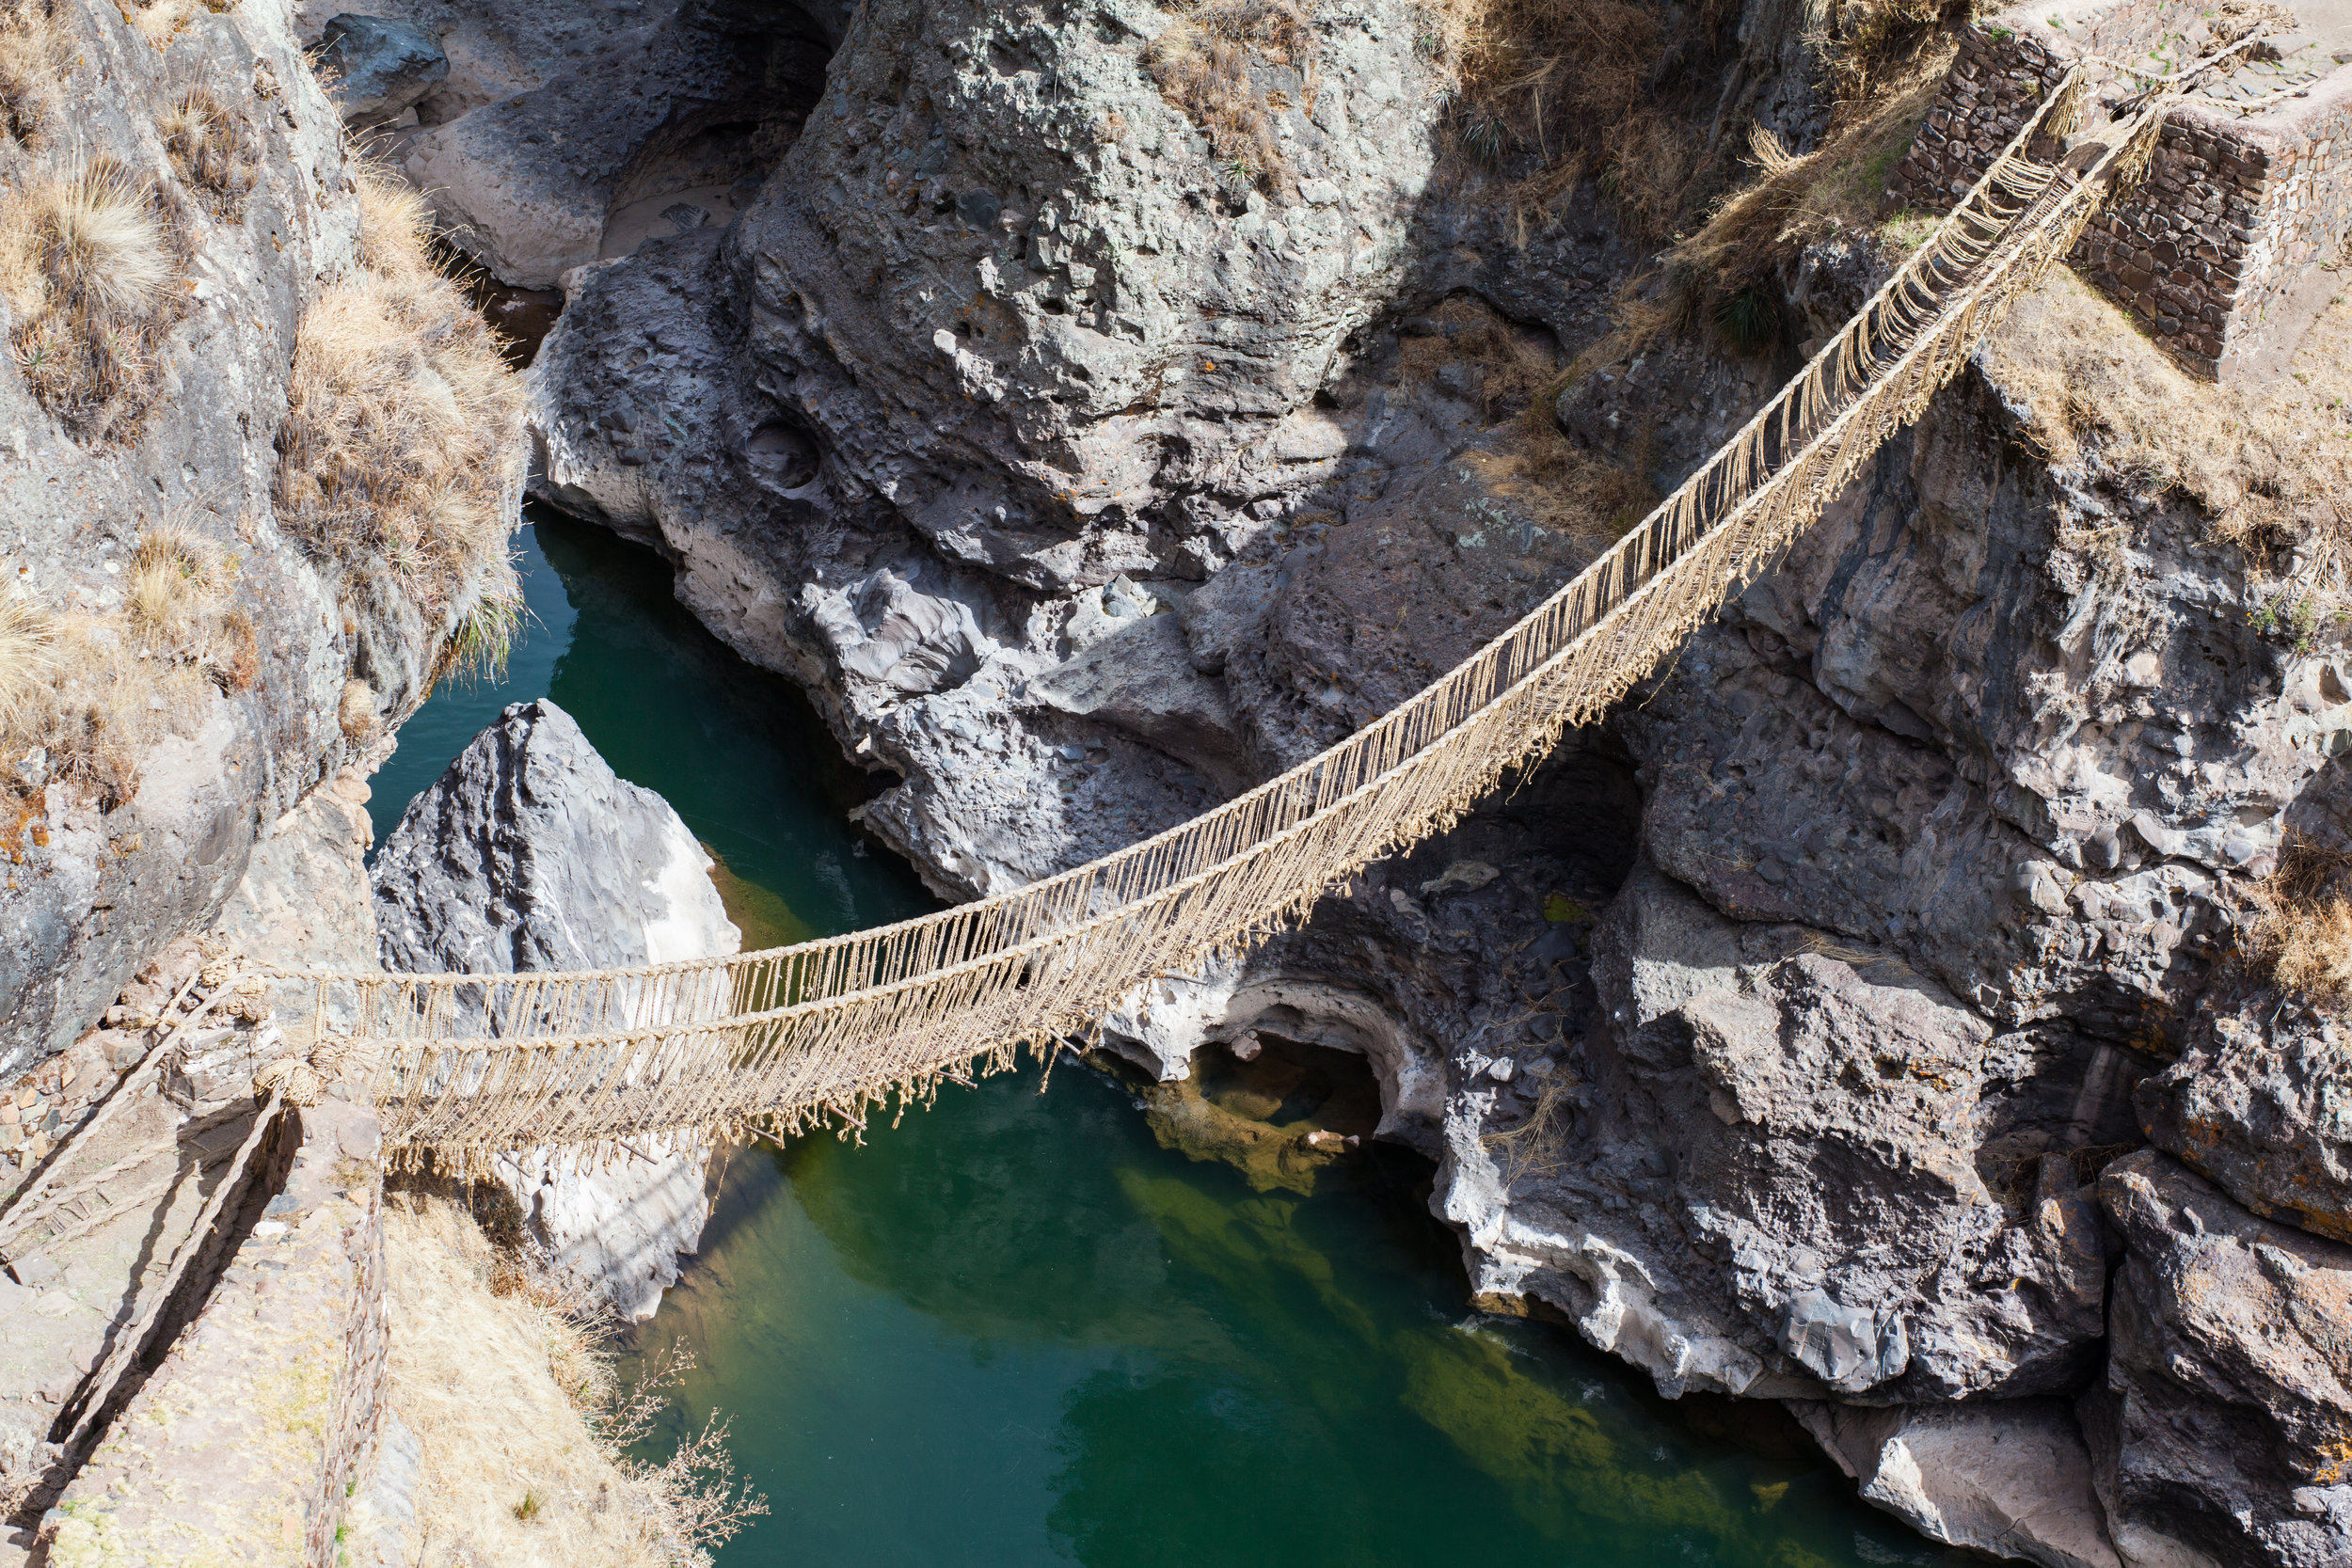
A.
x: 1584, y: 86
x: 2303, y: 929
x: 1529, y: 459
x: 160, y: 21
x: 502, y: 1367
x: 93, y: 690
x: 403, y: 421
x: 1212, y: 63
x: 28, y: 641
x: 211, y: 148
x: 2269, y: 460
x: 32, y: 63
x: 88, y: 262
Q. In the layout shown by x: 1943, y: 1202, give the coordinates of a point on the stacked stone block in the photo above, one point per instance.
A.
x: 2225, y: 254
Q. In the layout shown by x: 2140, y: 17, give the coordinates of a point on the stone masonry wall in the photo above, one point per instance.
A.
x: 243, y: 1447
x: 2221, y: 253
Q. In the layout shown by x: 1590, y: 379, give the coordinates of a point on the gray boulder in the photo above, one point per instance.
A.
x: 2221, y: 1432
x: 531, y: 854
x: 1802, y: 1168
x: 2010, y: 1477
x: 2261, y: 1104
x: 378, y: 68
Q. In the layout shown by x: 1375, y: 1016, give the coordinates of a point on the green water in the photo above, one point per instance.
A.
x: 1016, y: 1330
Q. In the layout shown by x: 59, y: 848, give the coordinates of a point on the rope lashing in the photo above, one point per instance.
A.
x: 830, y: 1031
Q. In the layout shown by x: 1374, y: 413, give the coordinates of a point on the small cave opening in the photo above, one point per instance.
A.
x: 1282, y: 1112
x: 781, y: 455
x: 707, y: 162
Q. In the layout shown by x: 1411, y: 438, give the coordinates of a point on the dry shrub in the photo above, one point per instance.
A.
x: 212, y: 149
x: 33, y: 63
x: 29, y: 640
x: 1529, y: 459
x: 403, y: 423
x: 502, y: 1366
x: 1582, y: 85
x: 2271, y: 460
x: 88, y: 262
x: 1212, y: 62
x: 2303, y: 929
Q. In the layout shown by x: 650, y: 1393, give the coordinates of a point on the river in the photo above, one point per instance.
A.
x: 1016, y: 1329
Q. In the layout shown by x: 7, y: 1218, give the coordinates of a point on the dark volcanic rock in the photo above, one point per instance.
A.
x: 2224, y: 1429
x: 377, y: 67
x: 2261, y: 1104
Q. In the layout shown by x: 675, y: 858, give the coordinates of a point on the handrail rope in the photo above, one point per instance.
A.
x: 1321, y: 768
x: 1912, y: 336
x: 1043, y: 941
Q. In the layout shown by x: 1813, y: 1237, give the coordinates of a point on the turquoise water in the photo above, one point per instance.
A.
x: 1015, y: 1330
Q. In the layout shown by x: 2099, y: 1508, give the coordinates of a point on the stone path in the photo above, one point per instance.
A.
x: 2283, y: 62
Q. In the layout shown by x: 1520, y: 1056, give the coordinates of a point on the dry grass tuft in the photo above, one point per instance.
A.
x: 1537, y: 1145
x: 175, y: 585
x: 1728, y: 271
x: 500, y: 1366
x: 2269, y: 461
x: 33, y: 63
x: 88, y: 260
x: 28, y: 641
x: 213, y: 149
x: 2302, y: 930
x: 405, y: 421
x: 1213, y: 62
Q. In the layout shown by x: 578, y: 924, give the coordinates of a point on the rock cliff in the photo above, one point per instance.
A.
x: 1099, y: 412
x: 530, y: 854
x: 191, y: 646
x: 1777, y: 1032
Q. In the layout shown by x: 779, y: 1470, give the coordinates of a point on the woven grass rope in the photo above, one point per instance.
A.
x: 832, y: 1031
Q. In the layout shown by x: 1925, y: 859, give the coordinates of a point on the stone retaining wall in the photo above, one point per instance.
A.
x: 244, y: 1444
x: 2223, y: 253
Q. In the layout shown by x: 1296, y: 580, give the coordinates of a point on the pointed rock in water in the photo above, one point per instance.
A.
x: 530, y: 854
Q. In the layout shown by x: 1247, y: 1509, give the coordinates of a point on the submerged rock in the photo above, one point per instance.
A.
x: 531, y: 854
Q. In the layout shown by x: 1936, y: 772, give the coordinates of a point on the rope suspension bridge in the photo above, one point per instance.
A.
x: 830, y: 1031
